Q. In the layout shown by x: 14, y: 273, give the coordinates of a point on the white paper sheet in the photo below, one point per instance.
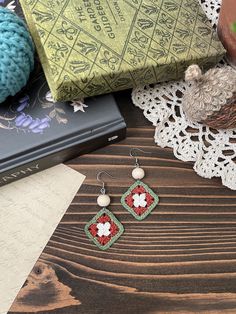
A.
x: 30, y: 210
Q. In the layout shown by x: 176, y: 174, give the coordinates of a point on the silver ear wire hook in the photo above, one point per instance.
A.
x: 103, y: 190
x: 135, y: 156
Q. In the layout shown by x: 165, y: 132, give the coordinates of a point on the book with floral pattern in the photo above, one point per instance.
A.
x: 37, y: 132
x: 95, y: 47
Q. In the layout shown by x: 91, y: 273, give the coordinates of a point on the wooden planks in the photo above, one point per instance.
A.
x: 181, y: 259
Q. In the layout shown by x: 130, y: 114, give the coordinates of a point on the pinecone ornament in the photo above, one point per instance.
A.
x: 211, y: 97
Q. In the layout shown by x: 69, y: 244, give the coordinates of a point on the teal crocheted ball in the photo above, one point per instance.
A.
x: 16, y: 54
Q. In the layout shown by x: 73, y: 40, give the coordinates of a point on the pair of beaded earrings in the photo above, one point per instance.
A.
x: 104, y: 229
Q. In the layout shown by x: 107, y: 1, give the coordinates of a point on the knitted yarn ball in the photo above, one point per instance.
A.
x: 16, y: 54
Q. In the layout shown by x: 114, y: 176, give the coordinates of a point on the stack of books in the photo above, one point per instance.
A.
x: 37, y: 132
x: 89, y: 48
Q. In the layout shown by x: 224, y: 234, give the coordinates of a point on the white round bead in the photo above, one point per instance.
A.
x: 103, y: 200
x: 138, y: 173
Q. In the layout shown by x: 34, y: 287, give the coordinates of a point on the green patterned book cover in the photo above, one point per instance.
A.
x: 91, y: 47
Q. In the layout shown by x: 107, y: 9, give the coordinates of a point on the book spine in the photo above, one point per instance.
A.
x: 64, y: 155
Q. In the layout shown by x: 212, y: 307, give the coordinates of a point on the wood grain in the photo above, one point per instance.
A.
x: 181, y: 259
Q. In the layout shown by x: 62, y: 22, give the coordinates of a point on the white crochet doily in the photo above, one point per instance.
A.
x: 213, y: 152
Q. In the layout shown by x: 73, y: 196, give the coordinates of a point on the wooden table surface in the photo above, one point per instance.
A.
x: 181, y: 259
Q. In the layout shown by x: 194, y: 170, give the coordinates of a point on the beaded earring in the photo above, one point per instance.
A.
x: 104, y: 229
x: 139, y: 200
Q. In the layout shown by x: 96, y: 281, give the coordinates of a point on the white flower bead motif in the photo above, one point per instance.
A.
x: 140, y: 200
x: 104, y: 229
x: 49, y: 97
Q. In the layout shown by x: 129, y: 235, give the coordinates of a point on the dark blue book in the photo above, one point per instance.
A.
x: 36, y: 132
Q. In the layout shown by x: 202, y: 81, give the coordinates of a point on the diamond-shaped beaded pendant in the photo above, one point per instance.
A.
x: 139, y: 200
x: 104, y: 229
